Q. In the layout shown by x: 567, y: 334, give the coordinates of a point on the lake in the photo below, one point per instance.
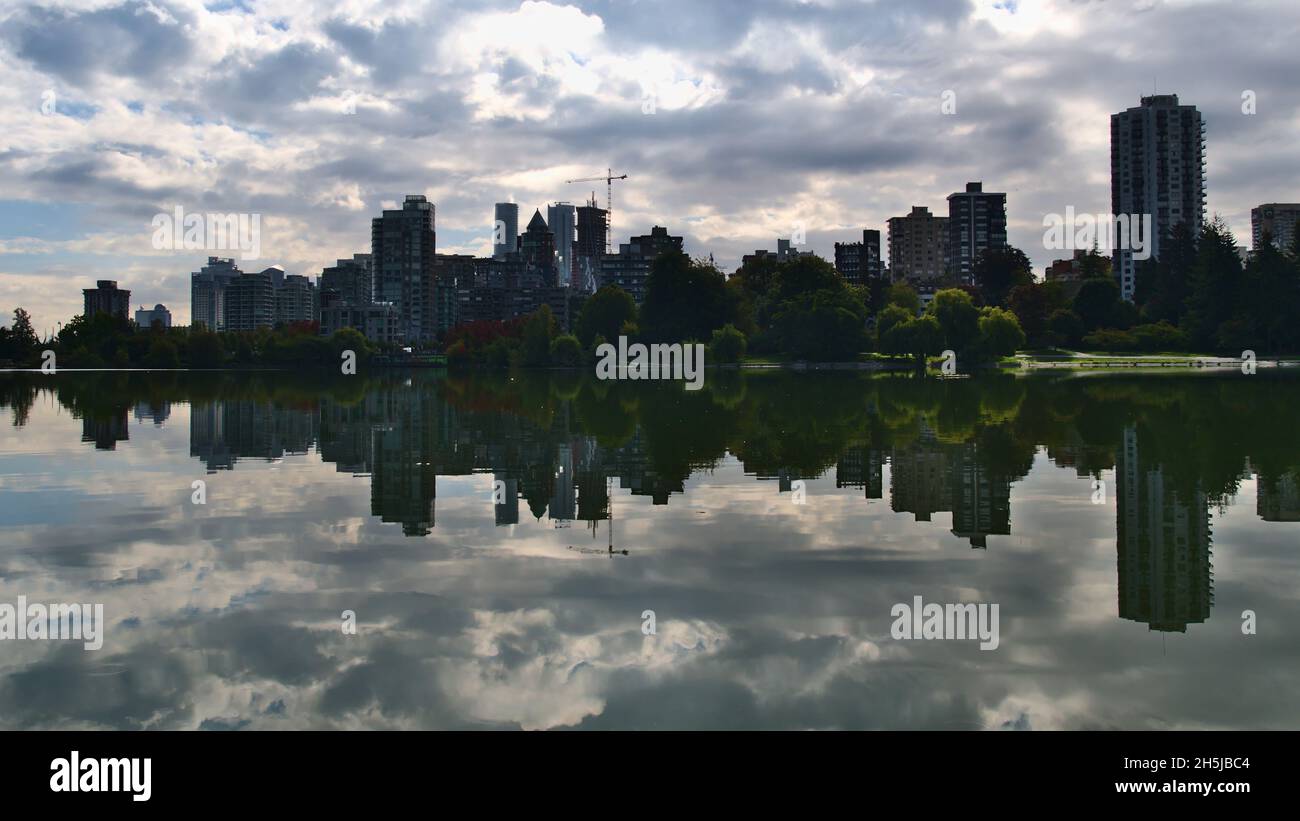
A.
x: 424, y: 550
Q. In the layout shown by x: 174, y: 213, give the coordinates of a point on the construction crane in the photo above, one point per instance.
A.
x: 609, y: 202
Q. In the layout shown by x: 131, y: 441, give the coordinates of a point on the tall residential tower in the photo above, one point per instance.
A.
x: 402, y: 248
x: 1157, y: 167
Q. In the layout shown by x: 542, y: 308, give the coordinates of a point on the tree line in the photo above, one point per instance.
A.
x: 106, y: 341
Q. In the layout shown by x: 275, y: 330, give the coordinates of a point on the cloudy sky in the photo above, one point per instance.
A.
x: 737, y: 121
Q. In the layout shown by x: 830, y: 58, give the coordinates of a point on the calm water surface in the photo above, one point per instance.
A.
x: 499, y: 541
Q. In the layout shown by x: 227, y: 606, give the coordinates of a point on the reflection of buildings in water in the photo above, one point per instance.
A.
x: 564, y: 497
x: 593, y: 484
x: 223, y: 431
x: 650, y: 483
x: 862, y: 466
x: 1277, y: 498
x: 208, y: 437
x: 918, y: 478
x: 506, y: 503
x: 928, y: 477
x: 1166, y: 580
x: 785, y: 478
x: 105, y: 429
x: 404, y: 478
x: 147, y: 411
x: 346, y: 436
x: 981, y: 500
x: 403, y: 438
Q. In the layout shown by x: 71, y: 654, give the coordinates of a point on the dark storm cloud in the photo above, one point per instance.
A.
x: 291, y: 74
x: 71, y: 174
x: 394, y: 51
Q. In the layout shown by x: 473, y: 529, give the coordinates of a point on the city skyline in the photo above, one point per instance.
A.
x: 766, y: 118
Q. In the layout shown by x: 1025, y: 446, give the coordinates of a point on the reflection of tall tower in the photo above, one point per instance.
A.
x: 1163, y: 540
x: 404, y: 484
x: 105, y: 429
x: 918, y: 481
x: 981, y: 501
x: 564, y: 498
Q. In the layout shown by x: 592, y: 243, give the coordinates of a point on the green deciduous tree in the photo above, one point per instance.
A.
x: 685, y: 299
x: 1000, y: 333
x: 825, y: 325
x: 566, y: 351
x: 904, y: 296
x: 998, y: 270
x: 958, y: 318
x: 1095, y: 302
x: 1032, y: 304
x: 727, y: 345
x: 535, y: 346
x: 604, y: 314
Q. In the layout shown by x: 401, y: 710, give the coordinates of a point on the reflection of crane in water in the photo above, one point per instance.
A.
x: 609, y: 551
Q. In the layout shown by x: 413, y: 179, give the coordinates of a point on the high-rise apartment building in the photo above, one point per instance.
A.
x: 208, y: 293
x: 858, y: 262
x: 629, y: 269
x: 250, y: 301
x: 1277, y: 220
x: 106, y: 298
x: 402, y: 248
x: 590, y: 247
x: 977, y: 220
x: 296, y: 300
x: 1157, y: 168
x: 349, y: 279
x: 918, y: 245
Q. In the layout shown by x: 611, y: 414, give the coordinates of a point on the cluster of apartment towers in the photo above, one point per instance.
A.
x: 404, y: 292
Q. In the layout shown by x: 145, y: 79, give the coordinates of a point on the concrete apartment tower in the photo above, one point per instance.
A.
x: 1157, y: 167
x: 977, y: 221
x: 402, y: 249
